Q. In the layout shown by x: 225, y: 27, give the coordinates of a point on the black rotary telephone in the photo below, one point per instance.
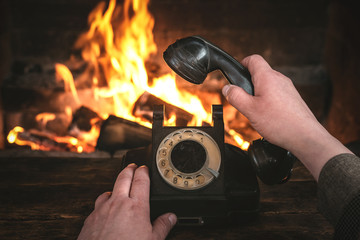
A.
x: 193, y: 58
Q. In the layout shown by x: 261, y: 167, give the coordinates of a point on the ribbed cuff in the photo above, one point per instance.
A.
x: 339, y: 183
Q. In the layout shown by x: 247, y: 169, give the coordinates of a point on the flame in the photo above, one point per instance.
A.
x: 44, y: 118
x: 62, y: 72
x: 166, y: 89
x: 91, y: 136
x: 68, y: 112
x: 120, y: 53
x: 171, y: 121
x: 115, y: 49
x: 244, y: 145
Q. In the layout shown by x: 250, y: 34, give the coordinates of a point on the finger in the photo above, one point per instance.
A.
x: 163, y: 224
x: 237, y: 97
x: 101, y: 199
x: 123, y: 182
x: 140, y: 187
x: 255, y: 63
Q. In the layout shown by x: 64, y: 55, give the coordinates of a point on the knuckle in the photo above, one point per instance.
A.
x: 123, y: 175
x: 138, y: 204
x: 126, y: 172
x: 255, y: 57
x: 102, y: 197
x: 113, y: 207
x: 141, y: 181
x: 233, y: 94
x: 113, y: 204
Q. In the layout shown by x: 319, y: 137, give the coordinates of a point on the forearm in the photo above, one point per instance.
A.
x: 281, y: 116
x: 314, y: 147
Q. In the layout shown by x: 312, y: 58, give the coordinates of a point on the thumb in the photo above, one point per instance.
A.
x: 238, y: 97
x: 163, y: 224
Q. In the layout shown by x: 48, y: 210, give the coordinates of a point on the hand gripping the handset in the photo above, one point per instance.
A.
x: 193, y: 58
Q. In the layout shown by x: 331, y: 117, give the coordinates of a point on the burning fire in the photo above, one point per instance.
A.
x: 115, y: 48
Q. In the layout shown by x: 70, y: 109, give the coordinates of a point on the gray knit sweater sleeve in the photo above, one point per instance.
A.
x: 338, y: 185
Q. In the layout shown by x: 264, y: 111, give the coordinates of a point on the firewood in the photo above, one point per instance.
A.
x: 82, y: 118
x: 118, y: 133
x: 143, y: 108
x: 49, y: 142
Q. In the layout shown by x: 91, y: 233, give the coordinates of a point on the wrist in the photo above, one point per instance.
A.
x: 315, y: 148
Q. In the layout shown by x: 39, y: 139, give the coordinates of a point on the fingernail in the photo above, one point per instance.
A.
x: 143, y: 166
x: 172, y: 219
x: 225, y: 90
x: 132, y: 164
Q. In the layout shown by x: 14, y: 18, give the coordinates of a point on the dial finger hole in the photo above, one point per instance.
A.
x: 177, y: 180
x: 200, y: 179
x: 188, y: 182
x: 163, y: 163
x: 168, y: 173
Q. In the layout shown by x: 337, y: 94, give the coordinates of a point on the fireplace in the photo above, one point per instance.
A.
x: 113, y: 69
x: 43, y: 51
x: 311, y: 42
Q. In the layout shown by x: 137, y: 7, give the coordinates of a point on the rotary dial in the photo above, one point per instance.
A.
x: 188, y: 159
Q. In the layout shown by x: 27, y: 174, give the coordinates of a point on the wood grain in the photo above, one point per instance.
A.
x: 50, y: 197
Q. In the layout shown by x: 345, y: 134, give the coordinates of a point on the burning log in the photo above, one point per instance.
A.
x: 118, y: 133
x: 117, y: 79
x: 39, y: 140
x: 84, y: 119
x: 85, y: 125
x: 143, y: 108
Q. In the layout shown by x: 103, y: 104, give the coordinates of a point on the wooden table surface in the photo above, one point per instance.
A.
x: 49, y: 197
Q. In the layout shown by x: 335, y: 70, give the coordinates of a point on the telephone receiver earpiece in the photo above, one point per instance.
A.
x: 192, y: 58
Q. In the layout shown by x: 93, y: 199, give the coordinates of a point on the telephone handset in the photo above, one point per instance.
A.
x: 193, y: 58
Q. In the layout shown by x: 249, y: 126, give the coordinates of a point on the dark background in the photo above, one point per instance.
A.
x: 316, y: 43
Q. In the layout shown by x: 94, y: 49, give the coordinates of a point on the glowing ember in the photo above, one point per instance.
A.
x: 115, y: 48
x: 12, y: 136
